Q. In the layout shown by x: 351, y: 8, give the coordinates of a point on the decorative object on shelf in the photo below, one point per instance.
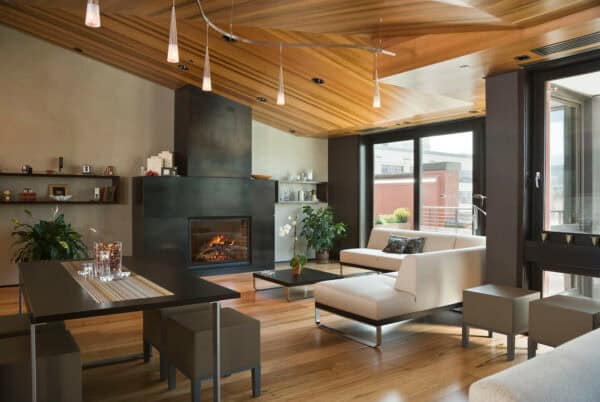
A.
x: 107, y: 194
x: 544, y: 236
x: 594, y: 240
x: 298, y: 260
x: 6, y: 194
x: 61, y: 163
x: 309, y: 175
x: 168, y: 171
x: 28, y: 195
x: 155, y: 163
x: 26, y: 169
x: 86, y: 169
x: 320, y: 230
x: 261, y: 176
x: 97, y: 196
x: 152, y: 173
x: 57, y: 190
x: 569, y: 239
x: 61, y: 198
x: 47, y: 240
x: 109, y: 171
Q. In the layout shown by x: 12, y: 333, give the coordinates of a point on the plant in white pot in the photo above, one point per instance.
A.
x: 298, y: 261
x: 321, y: 231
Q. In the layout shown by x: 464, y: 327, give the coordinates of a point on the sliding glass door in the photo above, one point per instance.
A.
x: 425, y: 179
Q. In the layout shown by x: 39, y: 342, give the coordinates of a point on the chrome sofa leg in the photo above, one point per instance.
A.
x: 378, y: 336
x: 317, y: 315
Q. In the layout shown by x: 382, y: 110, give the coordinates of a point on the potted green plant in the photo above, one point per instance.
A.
x: 298, y: 261
x: 321, y: 231
x: 47, y: 240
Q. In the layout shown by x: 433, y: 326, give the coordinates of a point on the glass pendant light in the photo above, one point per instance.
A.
x: 376, y: 95
x: 281, y: 92
x: 173, y: 51
x: 92, y: 14
x: 206, y: 82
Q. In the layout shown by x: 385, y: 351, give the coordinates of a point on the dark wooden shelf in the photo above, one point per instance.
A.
x: 58, y: 202
x: 59, y: 175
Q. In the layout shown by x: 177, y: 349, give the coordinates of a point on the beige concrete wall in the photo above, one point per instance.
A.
x: 55, y: 102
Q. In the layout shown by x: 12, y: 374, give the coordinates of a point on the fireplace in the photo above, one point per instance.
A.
x: 219, y: 240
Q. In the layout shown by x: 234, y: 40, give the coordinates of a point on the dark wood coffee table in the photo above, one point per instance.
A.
x: 285, y: 278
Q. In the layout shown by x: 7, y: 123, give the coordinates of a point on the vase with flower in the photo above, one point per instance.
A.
x: 298, y: 261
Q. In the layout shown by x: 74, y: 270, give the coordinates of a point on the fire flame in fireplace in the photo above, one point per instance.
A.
x: 220, y: 240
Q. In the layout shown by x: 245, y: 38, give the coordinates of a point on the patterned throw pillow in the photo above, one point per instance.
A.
x: 396, y: 245
x: 414, y: 245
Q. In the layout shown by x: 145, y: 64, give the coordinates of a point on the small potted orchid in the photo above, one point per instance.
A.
x: 290, y: 229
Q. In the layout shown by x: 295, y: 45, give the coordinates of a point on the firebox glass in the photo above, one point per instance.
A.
x: 219, y: 240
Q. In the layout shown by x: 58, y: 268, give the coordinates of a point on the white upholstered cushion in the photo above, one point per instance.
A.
x: 371, y: 296
x: 568, y: 373
x: 367, y: 257
x: 469, y: 241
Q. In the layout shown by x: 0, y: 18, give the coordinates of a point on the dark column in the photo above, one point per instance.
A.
x: 505, y: 173
x: 347, y: 186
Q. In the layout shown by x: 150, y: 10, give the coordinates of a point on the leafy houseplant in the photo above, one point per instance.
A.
x: 320, y: 230
x: 47, y: 240
x: 298, y: 260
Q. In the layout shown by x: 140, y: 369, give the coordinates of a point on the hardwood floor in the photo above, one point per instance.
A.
x: 419, y: 360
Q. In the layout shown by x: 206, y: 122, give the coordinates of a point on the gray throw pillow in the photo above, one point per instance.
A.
x: 396, y: 245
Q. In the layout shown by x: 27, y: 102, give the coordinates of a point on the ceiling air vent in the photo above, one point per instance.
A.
x: 570, y: 44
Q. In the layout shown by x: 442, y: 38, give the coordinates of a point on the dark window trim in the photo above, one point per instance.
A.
x: 474, y: 124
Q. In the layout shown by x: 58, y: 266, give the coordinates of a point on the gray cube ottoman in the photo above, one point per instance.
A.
x: 58, y: 368
x: 557, y: 319
x: 189, y: 347
x: 502, y: 309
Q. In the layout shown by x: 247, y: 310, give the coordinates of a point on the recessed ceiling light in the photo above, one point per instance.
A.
x: 317, y: 80
x: 292, y: 131
x: 261, y: 99
x: 228, y: 38
x: 183, y: 67
x: 522, y: 57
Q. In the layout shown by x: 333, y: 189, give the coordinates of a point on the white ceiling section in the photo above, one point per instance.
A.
x: 586, y: 84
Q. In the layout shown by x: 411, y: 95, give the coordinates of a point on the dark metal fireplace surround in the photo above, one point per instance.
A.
x: 214, y: 216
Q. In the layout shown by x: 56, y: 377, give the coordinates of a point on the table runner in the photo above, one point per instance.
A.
x: 134, y: 287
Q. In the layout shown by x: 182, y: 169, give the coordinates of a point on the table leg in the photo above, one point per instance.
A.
x: 216, y: 308
x: 254, y: 282
x: 33, y: 363
x: 287, y: 293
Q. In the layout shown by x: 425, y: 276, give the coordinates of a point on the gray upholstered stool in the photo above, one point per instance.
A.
x: 155, y: 331
x: 19, y: 325
x: 58, y: 368
x: 557, y: 319
x: 497, y: 308
x: 190, y: 343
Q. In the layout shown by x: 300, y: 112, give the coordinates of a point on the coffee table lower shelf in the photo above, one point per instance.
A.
x: 286, y: 279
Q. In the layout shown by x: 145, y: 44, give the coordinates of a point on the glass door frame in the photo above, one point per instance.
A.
x: 537, y: 151
x: 476, y: 125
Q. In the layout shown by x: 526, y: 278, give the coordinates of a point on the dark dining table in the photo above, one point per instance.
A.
x: 51, y: 294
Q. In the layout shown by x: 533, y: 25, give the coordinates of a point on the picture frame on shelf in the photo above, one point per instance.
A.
x: 59, y: 190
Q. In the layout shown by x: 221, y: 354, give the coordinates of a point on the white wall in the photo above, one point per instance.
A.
x: 279, y: 154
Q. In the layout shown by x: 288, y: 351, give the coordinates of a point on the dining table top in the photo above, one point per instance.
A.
x: 52, y: 294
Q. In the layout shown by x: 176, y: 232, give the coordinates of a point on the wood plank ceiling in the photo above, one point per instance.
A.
x: 444, y: 49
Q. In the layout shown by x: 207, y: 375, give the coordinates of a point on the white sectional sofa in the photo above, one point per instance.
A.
x: 568, y: 373
x: 418, y: 285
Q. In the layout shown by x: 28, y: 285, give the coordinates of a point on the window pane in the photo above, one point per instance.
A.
x: 571, y: 284
x: 447, y: 183
x: 571, y: 196
x: 393, y: 187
